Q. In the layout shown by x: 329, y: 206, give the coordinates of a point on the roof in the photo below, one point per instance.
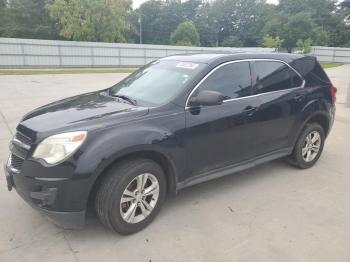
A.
x: 214, y: 58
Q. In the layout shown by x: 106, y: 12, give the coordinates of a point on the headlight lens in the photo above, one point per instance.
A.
x: 58, y: 147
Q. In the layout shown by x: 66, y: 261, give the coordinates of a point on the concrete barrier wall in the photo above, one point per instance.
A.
x: 22, y: 53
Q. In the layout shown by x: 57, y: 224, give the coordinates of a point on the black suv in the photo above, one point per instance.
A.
x: 176, y: 122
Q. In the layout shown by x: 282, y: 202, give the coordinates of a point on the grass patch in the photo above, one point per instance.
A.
x: 49, y: 71
x: 330, y: 65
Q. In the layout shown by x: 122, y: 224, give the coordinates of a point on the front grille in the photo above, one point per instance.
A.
x: 24, y: 139
x: 16, y: 162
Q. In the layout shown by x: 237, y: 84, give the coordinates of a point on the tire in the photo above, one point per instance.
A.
x: 300, y: 156
x: 127, y: 175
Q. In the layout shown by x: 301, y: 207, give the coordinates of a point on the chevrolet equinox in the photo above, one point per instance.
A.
x: 175, y: 122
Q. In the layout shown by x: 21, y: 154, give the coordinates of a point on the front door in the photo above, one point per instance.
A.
x: 222, y: 135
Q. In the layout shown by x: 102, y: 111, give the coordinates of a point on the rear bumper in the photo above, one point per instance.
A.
x: 49, y: 196
x: 332, y: 113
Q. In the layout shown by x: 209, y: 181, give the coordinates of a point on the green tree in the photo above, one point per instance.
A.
x: 320, y: 36
x: 329, y: 26
x: 275, y: 26
x: 241, y: 18
x: 304, y: 45
x: 153, y: 31
x: 272, y: 42
x: 290, y: 28
x: 206, y: 25
x: 319, y: 8
x: 339, y: 32
x: 26, y: 19
x: 185, y: 34
x: 190, y: 8
x: 3, y: 17
x: 299, y: 26
x: 160, y: 18
x: 132, y: 32
x: 91, y: 20
x: 218, y: 22
x: 232, y: 41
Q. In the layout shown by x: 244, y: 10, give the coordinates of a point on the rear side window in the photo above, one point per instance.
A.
x: 232, y: 80
x: 312, y: 71
x: 274, y: 76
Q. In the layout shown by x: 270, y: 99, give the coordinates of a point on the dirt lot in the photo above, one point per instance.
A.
x: 269, y: 213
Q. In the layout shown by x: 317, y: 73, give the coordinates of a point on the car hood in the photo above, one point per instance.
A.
x: 86, y: 110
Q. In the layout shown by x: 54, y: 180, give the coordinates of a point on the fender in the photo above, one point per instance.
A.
x: 312, y: 109
x: 106, y: 146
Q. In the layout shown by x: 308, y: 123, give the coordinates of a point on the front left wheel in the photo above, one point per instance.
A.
x: 131, y: 195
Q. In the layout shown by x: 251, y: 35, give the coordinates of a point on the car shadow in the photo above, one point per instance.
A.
x: 174, y: 203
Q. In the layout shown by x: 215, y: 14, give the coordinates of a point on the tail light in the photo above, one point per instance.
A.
x: 334, y: 93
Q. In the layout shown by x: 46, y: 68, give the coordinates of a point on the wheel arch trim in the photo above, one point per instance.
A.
x: 316, y: 115
x: 146, y: 151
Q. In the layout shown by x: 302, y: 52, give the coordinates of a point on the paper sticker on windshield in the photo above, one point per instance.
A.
x: 187, y: 65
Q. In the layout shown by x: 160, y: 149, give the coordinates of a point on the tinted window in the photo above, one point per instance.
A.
x: 311, y: 71
x: 274, y: 76
x: 232, y: 80
x: 296, y: 80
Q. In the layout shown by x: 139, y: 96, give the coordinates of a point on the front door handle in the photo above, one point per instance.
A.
x: 299, y: 97
x: 250, y: 110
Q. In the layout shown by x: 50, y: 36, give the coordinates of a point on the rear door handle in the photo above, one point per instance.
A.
x: 250, y: 110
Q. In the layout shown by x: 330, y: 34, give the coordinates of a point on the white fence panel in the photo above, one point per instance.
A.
x: 331, y: 54
x: 16, y: 52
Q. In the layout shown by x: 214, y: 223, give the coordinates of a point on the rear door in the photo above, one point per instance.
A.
x: 281, y: 93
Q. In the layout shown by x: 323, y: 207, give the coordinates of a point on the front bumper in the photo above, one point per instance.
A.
x: 50, y: 196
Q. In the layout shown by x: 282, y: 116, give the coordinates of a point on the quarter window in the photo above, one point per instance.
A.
x: 232, y: 80
x: 274, y: 76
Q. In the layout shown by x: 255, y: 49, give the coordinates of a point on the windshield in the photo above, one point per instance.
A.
x: 157, y: 83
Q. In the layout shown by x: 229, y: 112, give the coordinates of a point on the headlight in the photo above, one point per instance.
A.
x: 58, y: 147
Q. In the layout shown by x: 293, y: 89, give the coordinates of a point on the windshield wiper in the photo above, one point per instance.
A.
x: 126, y: 98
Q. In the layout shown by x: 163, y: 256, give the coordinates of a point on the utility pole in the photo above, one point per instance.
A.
x: 140, y: 23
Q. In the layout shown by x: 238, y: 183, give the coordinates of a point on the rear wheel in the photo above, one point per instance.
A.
x: 308, y: 147
x: 131, y: 195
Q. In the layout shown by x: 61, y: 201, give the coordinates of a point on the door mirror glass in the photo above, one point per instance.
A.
x: 207, y: 98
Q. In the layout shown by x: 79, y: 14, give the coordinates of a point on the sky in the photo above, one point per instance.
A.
x: 137, y: 3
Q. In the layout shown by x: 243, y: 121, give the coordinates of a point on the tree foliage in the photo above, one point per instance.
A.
x: 26, y: 19
x: 304, y: 45
x: 91, y: 20
x: 218, y: 22
x: 232, y: 41
x: 298, y: 26
x: 272, y: 42
x: 241, y: 18
x: 185, y: 34
x: 206, y: 25
x: 161, y: 18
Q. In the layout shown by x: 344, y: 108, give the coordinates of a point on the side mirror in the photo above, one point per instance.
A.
x: 207, y: 98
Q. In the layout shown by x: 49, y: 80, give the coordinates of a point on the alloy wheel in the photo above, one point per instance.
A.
x: 311, y: 146
x: 139, y: 198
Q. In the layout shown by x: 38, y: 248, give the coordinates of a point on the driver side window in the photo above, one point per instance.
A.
x: 232, y: 80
